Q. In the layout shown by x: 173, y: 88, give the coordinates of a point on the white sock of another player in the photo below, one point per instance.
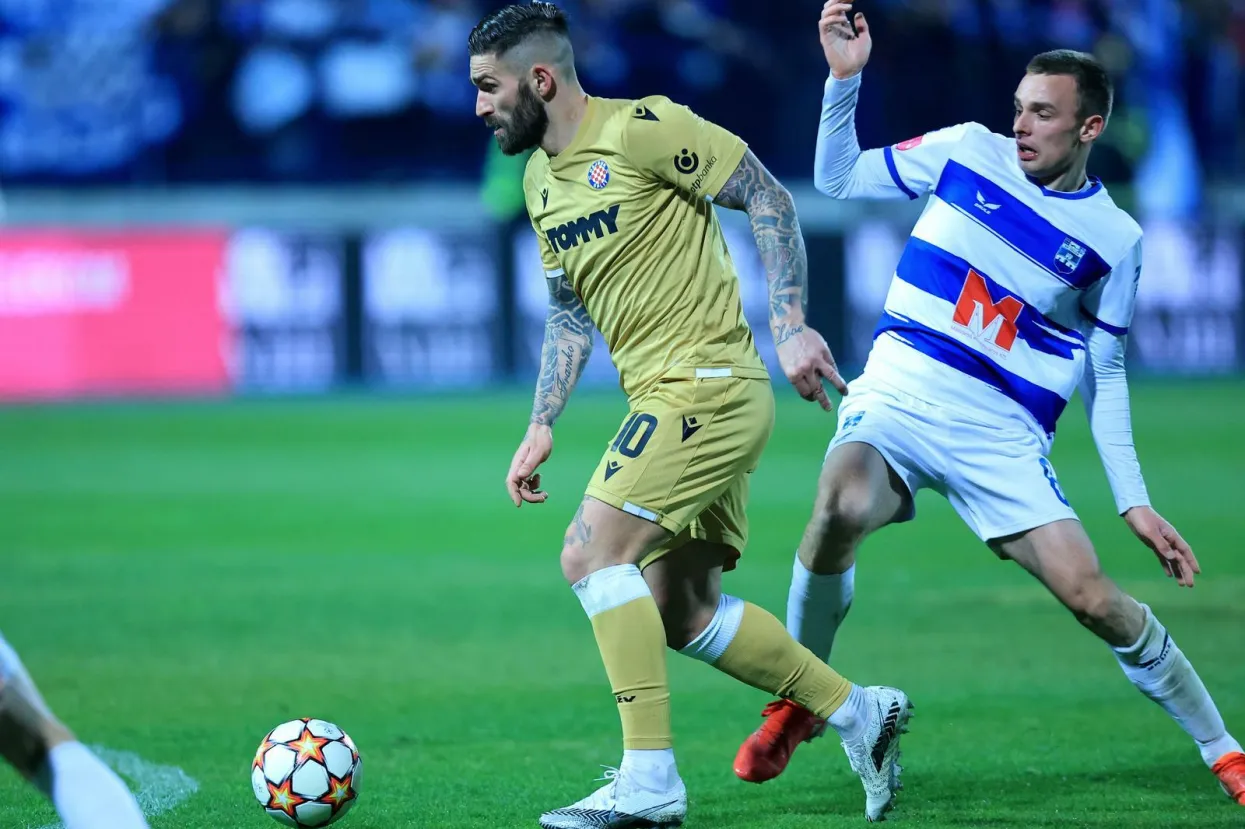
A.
x: 89, y: 795
x: 817, y: 605
x: 1162, y: 672
x: 86, y: 793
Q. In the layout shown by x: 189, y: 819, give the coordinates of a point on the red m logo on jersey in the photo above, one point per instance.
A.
x: 986, y: 320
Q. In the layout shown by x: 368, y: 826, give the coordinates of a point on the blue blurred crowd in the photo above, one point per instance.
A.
x: 158, y: 91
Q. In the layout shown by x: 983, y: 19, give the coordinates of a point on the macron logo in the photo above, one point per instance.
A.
x: 985, y: 206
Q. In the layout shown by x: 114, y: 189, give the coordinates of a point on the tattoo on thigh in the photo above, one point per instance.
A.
x: 580, y: 531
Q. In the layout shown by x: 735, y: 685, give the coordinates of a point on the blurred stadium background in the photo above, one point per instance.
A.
x: 288, y: 209
x: 223, y: 196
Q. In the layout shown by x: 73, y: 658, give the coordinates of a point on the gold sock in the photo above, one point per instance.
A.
x: 632, y: 641
x: 764, y: 655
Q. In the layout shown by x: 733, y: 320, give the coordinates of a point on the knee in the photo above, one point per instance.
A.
x: 575, y: 563
x: 841, y: 515
x: 1094, y: 602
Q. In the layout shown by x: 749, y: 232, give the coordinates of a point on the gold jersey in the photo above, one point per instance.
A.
x: 625, y: 213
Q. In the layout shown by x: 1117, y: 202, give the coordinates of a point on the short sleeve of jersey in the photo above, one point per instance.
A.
x: 916, y: 164
x: 1109, y: 302
x: 673, y: 144
x: 548, y: 259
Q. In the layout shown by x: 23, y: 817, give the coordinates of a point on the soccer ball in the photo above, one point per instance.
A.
x: 306, y: 773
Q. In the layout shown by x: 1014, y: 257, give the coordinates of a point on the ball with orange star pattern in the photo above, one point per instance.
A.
x: 306, y: 773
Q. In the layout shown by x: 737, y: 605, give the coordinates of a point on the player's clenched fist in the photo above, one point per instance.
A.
x: 522, y: 481
x: 847, y: 51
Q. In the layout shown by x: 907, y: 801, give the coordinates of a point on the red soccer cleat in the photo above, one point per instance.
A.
x: 1230, y: 769
x: 766, y: 752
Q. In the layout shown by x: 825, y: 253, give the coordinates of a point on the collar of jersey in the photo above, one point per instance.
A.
x: 1092, y: 185
x: 581, y: 133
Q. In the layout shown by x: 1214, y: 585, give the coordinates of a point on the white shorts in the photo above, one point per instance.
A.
x: 995, y: 475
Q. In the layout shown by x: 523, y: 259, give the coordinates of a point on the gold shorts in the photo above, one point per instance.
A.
x: 683, y: 457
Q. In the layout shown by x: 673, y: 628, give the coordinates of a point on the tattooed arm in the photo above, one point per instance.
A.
x: 568, y: 343
x: 803, y: 353
x: 776, y: 228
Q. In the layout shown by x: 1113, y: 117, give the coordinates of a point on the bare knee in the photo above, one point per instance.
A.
x: 1061, y: 556
x: 1106, y: 611
x: 580, y: 559
x: 1091, y: 601
x: 601, y: 536
x: 842, y: 517
x: 574, y: 563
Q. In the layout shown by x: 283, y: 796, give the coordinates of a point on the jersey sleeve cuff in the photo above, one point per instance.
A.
x: 709, y: 191
x: 847, y: 86
x: 1124, y: 503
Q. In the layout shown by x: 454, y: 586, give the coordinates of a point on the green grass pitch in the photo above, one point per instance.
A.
x: 182, y: 577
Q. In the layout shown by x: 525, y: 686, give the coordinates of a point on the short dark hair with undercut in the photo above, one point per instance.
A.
x: 500, y: 31
x: 1095, y: 92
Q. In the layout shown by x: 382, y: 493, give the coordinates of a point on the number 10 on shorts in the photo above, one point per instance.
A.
x: 634, y: 435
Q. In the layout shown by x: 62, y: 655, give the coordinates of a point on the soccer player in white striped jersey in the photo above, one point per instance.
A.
x: 1016, y: 287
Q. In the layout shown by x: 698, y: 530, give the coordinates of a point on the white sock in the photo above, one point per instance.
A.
x: 89, y: 795
x: 651, y: 768
x: 1162, y: 672
x: 718, y: 635
x: 817, y: 605
x: 850, y: 718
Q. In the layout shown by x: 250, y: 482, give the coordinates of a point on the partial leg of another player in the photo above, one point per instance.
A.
x: 86, y: 793
x: 746, y: 642
x: 858, y: 493
x: 1061, y: 556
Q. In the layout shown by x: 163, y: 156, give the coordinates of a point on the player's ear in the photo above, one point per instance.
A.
x: 1092, y: 128
x: 543, y: 81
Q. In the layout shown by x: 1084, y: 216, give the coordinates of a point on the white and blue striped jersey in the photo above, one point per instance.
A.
x: 1000, y: 280
x: 1005, y: 290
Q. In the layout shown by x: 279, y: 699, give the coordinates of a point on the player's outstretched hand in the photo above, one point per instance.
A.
x: 1174, y: 553
x: 806, y: 360
x: 847, y: 51
x: 523, y: 481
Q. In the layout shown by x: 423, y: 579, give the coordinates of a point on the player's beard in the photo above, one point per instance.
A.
x: 527, y: 124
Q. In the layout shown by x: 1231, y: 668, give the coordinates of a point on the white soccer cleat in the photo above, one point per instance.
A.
x: 875, y: 756
x: 622, y: 803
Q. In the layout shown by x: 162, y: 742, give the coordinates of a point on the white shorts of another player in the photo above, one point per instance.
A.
x: 994, y: 474
x: 158, y: 789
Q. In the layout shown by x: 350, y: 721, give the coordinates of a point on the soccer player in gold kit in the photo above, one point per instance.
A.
x: 621, y: 195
